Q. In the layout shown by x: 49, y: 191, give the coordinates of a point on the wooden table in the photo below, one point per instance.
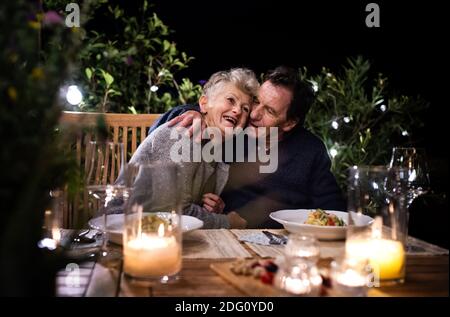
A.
x: 425, y: 276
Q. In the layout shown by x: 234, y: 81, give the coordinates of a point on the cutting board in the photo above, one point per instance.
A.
x: 249, y: 285
x: 253, y: 287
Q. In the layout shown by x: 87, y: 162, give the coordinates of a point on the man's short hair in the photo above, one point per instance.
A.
x: 302, y: 92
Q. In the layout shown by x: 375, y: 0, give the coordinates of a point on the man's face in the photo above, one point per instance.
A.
x: 270, y: 110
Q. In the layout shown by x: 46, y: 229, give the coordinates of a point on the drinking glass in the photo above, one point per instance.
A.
x: 104, y: 162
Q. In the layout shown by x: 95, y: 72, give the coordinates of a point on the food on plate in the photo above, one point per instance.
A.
x: 319, y: 217
x: 260, y: 269
x: 151, y: 223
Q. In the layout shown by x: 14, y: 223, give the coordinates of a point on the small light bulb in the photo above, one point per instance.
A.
x: 333, y: 152
x: 154, y: 88
x: 74, y: 96
x: 383, y: 108
x: 405, y: 133
x: 335, y: 125
x: 346, y: 119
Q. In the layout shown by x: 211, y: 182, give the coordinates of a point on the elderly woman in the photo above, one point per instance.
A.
x: 226, y: 104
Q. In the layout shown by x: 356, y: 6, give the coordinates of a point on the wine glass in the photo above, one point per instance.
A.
x: 414, y: 161
x: 104, y: 162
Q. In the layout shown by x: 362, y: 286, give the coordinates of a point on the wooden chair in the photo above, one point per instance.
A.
x: 129, y: 129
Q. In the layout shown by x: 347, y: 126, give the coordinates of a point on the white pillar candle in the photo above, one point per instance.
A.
x: 151, y: 256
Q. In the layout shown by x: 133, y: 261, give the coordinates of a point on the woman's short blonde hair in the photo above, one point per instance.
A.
x: 244, y: 79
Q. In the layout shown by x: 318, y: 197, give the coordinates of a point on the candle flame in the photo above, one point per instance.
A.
x: 377, y: 228
x: 161, y: 230
x: 56, y: 235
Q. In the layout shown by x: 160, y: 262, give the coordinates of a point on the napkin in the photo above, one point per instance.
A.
x: 264, y: 238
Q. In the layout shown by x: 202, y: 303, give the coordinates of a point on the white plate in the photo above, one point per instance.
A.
x: 293, y: 220
x: 115, y: 225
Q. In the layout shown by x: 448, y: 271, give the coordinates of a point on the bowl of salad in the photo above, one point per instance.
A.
x: 323, y: 224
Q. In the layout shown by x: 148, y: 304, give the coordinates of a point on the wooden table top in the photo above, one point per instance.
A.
x: 425, y: 276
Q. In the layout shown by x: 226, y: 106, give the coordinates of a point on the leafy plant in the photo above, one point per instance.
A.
x: 360, y: 122
x: 31, y: 161
x: 132, y: 69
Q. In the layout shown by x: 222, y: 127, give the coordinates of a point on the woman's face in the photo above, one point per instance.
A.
x: 226, y: 107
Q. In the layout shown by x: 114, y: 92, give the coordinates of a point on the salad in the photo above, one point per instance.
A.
x: 319, y: 217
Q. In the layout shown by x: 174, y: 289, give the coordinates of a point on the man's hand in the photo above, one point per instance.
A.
x: 236, y: 221
x: 213, y: 203
x: 191, y: 120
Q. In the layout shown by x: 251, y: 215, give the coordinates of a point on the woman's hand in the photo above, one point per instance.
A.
x: 213, y: 203
x: 236, y: 221
x: 191, y: 120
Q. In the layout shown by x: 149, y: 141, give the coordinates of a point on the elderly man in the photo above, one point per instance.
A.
x: 302, y: 179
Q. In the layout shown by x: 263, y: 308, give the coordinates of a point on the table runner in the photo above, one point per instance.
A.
x: 335, y: 249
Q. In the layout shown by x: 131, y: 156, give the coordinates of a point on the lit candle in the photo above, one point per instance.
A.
x: 386, y: 257
x: 299, y: 281
x: 297, y: 286
x: 350, y: 283
x: 152, y: 256
x: 351, y: 278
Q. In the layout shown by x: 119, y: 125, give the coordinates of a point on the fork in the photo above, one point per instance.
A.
x: 275, y: 238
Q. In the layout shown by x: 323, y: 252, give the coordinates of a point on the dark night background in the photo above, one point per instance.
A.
x: 408, y: 48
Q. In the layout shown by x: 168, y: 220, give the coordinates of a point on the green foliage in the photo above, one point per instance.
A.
x: 368, y: 121
x: 31, y: 161
x: 133, y: 68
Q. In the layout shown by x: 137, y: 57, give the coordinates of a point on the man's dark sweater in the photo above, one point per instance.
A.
x: 302, y: 179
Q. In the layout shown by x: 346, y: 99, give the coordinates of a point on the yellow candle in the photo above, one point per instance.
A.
x: 152, y: 256
x: 387, y: 257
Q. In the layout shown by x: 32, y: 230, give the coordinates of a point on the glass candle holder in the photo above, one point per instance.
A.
x: 152, y: 243
x: 350, y: 278
x: 302, y: 248
x: 298, y: 274
x: 380, y: 193
x: 301, y: 279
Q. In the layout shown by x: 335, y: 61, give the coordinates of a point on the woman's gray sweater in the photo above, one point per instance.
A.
x: 193, y: 178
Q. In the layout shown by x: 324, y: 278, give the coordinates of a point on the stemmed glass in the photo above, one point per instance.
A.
x: 414, y: 161
x: 104, y: 162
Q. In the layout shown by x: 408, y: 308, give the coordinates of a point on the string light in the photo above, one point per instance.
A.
x: 315, y: 86
x: 74, y: 95
x: 154, y: 88
x: 405, y: 133
x: 335, y: 125
x: 383, y: 108
x: 333, y: 153
x: 346, y: 119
